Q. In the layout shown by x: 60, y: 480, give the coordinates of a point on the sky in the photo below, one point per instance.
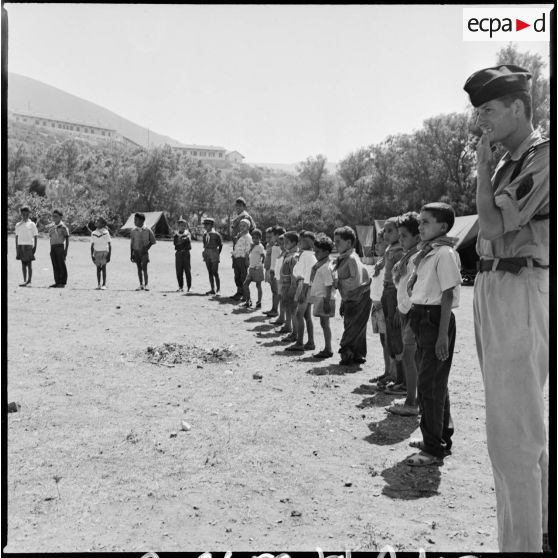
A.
x: 276, y: 83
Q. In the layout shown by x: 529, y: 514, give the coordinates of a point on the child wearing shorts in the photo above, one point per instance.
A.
x: 101, y: 250
x: 288, y: 284
x: 322, y: 291
x: 141, y: 240
x: 255, y: 273
x: 26, y: 245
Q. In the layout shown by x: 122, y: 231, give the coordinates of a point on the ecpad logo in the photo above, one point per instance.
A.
x: 506, y: 24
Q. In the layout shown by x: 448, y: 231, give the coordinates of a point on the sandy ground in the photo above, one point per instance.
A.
x: 306, y: 457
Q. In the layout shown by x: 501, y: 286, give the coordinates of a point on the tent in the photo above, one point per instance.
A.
x: 466, y: 229
x: 155, y: 220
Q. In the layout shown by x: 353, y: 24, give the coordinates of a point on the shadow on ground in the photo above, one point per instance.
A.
x: 334, y: 369
x: 411, y: 483
x: 391, y: 430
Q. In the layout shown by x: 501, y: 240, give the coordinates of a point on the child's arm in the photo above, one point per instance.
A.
x: 109, y: 251
x: 442, y: 351
x: 151, y: 241
x: 219, y: 242
x: 131, y: 251
x: 17, y: 253
x: 327, y: 299
x: 93, y: 251
x: 35, y: 237
x: 67, y: 244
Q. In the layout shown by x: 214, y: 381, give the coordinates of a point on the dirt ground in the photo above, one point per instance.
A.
x: 306, y: 457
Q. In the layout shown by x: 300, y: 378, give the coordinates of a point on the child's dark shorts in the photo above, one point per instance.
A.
x: 140, y: 258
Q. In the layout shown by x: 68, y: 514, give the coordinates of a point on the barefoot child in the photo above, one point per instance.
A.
x: 255, y: 272
x: 322, y: 291
x: 101, y: 250
x: 141, y: 240
x: 182, y: 245
x: 303, y: 310
x: 212, y: 246
x: 26, y: 245
x: 288, y: 285
x: 409, y: 238
x: 353, y: 284
x: 433, y: 288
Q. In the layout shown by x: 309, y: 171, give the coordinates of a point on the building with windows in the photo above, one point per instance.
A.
x: 205, y: 152
x: 234, y: 157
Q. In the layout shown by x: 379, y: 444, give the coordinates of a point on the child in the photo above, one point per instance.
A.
x: 101, y: 250
x: 141, y: 240
x: 59, y: 243
x: 353, y: 283
x: 433, y: 288
x: 182, y: 246
x: 276, y: 250
x: 288, y: 285
x: 269, y: 242
x: 303, y: 310
x: 255, y: 273
x: 409, y: 238
x: 277, y: 276
x: 377, y: 318
x: 392, y: 255
x: 26, y: 245
x: 322, y: 292
x: 241, y: 249
x: 212, y: 246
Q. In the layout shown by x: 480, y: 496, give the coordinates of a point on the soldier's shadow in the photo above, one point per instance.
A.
x: 411, y: 483
x: 391, y: 430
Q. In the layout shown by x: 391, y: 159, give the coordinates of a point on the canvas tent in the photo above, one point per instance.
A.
x: 155, y: 220
x: 466, y: 229
x: 365, y: 235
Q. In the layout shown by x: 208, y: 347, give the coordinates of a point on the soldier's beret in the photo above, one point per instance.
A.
x: 492, y: 83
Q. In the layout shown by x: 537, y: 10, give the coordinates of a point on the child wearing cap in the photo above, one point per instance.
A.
x: 141, y: 240
x: 26, y: 245
x: 322, y: 291
x: 182, y: 246
x: 59, y: 242
x: 101, y: 250
x: 212, y: 246
x: 255, y: 272
x: 303, y: 309
x: 433, y: 289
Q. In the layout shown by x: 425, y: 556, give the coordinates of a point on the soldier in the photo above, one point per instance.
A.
x: 511, y: 301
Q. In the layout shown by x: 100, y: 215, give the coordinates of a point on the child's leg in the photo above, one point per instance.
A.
x: 309, y: 324
x: 24, y: 271
x: 209, y: 266
x: 29, y: 272
x: 281, y: 307
x: 246, y: 288
x: 409, y: 352
x: 140, y: 276
x: 324, y: 322
x: 145, y: 276
x: 298, y: 323
x: 98, y: 275
x: 259, y: 288
x: 178, y: 267
x: 104, y: 273
x: 289, y: 323
x: 386, y: 354
x: 216, y: 275
x: 187, y: 270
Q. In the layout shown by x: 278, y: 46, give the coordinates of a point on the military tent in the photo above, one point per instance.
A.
x: 466, y: 229
x: 365, y: 235
x: 155, y: 220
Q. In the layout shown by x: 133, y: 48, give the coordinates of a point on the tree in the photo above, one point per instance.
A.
x: 355, y: 166
x: 313, y: 171
x: 540, y: 87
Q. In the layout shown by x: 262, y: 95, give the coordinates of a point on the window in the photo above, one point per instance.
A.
x: 37, y: 121
x: 77, y: 128
x: 103, y: 133
x: 220, y: 155
x: 195, y: 153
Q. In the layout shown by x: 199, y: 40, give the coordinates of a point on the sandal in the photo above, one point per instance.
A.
x: 423, y: 459
x: 405, y: 411
x: 419, y: 444
x: 323, y: 354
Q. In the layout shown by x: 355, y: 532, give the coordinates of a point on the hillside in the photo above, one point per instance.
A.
x: 30, y: 95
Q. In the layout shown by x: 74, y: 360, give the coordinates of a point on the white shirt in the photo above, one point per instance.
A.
x: 377, y: 285
x: 275, y: 253
x: 26, y: 231
x: 242, y: 246
x: 437, y: 272
x: 100, y: 240
x: 278, y: 264
x: 255, y: 256
x: 303, y: 267
x: 403, y: 301
x: 322, y: 280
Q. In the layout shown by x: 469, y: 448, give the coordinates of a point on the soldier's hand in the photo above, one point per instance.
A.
x: 441, y: 348
x: 484, y: 152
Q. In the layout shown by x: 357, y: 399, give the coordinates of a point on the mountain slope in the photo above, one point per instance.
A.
x: 29, y: 95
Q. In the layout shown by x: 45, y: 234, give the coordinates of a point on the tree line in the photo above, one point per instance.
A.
x: 84, y: 180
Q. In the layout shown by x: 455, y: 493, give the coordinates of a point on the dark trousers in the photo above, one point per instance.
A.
x: 182, y: 261
x: 432, y: 389
x: 240, y: 271
x: 393, y: 323
x: 213, y: 272
x: 58, y: 259
x: 355, y: 319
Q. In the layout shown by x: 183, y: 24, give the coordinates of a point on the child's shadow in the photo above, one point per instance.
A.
x: 334, y: 369
x: 410, y: 483
x: 262, y: 327
x: 266, y: 334
x: 242, y: 310
x: 224, y: 300
x: 257, y: 319
x: 391, y: 430
x: 376, y: 399
x: 276, y: 343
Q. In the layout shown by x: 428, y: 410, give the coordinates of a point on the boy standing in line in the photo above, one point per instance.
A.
x: 288, y: 285
x: 141, y: 240
x: 433, y: 288
x: 59, y: 243
x: 100, y: 251
x: 26, y: 245
x: 212, y: 246
x: 255, y: 272
x: 276, y: 251
x: 182, y: 245
x: 240, y: 253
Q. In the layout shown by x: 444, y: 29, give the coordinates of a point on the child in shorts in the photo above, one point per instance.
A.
x: 101, y: 250
x: 26, y: 245
x: 256, y: 257
x: 322, y: 291
x: 278, y: 264
x: 288, y: 285
x: 276, y: 250
x: 141, y: 240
